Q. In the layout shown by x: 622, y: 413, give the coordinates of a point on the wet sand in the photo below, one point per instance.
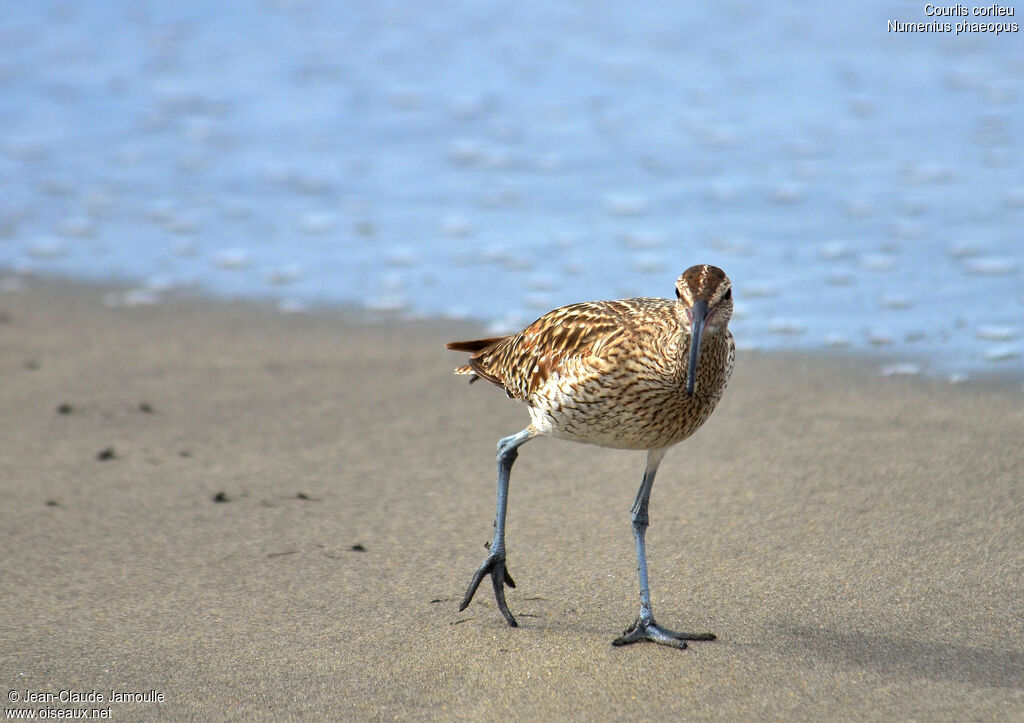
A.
x: 265, y: 515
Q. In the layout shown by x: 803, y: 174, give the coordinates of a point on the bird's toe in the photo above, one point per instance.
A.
x: 646, y: 630
x: 494, y: 566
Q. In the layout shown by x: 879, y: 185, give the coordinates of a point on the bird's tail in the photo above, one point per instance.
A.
x: 473, y: 346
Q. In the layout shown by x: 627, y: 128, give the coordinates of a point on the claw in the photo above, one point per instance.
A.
x: 645, y: 629
x: 494, y: 565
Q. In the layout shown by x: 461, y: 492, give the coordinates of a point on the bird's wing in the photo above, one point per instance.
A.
x: 522, y: 362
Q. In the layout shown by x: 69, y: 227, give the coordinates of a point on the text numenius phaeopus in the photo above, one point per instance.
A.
x: 639, y: 374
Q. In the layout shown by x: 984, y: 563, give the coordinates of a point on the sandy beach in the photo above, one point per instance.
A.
x: 261, y: 515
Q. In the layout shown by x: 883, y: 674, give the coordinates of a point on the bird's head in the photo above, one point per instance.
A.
x: 704, y: 294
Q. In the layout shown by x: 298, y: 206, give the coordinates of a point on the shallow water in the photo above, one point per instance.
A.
x: 863, y: 188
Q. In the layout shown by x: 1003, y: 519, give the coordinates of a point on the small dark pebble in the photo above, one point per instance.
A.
x: 185, y: 453
x: 358, y: 548
x: 221, y: 497
x: 436, y: 600
x: 52, y: 503
x: 104, y: 454
x: 65, y: 408
x: 302, y: 496
x: 145, y: 407
x: 32, y: 364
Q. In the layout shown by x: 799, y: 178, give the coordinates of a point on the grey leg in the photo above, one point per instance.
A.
x: 644, y: 627
x: 494, y: 565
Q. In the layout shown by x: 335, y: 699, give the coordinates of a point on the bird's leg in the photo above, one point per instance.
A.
x: 494, y: 565
x: 644, y: 627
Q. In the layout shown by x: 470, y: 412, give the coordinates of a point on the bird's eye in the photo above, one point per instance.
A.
x: 728, y: 295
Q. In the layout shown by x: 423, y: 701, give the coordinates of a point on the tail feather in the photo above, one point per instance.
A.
x: 468, y: 371
x: 474, y: 345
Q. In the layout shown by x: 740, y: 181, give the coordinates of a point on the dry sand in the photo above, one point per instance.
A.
x: 856, y: 542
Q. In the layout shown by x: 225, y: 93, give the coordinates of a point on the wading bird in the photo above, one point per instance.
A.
x: 639, y: 374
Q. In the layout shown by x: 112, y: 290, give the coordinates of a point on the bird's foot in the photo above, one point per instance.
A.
x: 494, y: 565
x: 645, y: 629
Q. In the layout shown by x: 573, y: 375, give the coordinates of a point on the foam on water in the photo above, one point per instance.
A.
x: 863, y: 188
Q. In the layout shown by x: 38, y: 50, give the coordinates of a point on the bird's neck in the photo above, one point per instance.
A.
x: 710, y: 340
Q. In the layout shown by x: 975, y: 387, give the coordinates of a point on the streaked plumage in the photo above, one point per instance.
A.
x: 615, y: 373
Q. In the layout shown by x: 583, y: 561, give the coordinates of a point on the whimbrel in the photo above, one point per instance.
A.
x: 639, y: 374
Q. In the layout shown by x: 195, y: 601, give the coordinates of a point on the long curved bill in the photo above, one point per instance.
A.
x: 698, y: 316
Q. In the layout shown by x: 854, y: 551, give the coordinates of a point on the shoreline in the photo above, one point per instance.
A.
x: 292, y: 506
x: 117, y: 294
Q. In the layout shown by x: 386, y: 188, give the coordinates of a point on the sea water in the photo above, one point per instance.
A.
x: 863, y: 187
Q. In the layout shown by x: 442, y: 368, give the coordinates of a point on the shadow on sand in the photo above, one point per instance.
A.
x: 955, y: 660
